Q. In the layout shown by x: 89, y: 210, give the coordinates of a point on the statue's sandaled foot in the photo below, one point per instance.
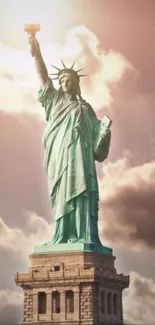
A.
x: 73, y: 240
x: 47, y: 243
x: 85, y: 241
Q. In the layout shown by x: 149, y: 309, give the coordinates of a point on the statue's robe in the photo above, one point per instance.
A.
x: 70, y: 165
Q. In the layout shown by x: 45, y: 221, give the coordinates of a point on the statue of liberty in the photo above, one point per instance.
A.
x: 70, y: 152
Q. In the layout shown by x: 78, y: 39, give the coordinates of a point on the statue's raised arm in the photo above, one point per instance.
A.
x: 47, y: 91
x: 39, y: 62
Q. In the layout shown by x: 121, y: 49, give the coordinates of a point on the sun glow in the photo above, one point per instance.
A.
x: 48, y: 13
x: 39, y: 11
x: 58, y: 42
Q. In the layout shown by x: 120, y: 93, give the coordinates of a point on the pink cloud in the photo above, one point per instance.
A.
x: 127, y: 204
x: 139, y: 301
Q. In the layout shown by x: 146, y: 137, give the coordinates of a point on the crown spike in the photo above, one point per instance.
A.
x: 55, y: 78
x: 83, y: 75
x: 64, y: 65
x: 79, y: 70
x: 54, y: 67
x: 72, y: 66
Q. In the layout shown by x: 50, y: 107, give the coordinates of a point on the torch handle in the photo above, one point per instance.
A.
x: 31, y: 37
x: 31, y: 30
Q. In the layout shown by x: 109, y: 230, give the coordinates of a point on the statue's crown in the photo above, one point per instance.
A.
x: 67, y: 71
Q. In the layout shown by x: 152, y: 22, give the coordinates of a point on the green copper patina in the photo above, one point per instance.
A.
x: 73, y: 139
x: 70, y: 247
x: 68, y: 140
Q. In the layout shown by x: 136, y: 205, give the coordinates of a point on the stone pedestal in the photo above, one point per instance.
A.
x: 78, y: 288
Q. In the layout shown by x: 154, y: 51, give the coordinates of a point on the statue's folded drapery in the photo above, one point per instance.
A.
x: 70, y: 165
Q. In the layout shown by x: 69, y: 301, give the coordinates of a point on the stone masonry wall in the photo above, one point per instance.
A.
x: 88, y: 302
x: 28, y: 306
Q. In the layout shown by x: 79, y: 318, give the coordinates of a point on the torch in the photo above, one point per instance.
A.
x: 31, y: 30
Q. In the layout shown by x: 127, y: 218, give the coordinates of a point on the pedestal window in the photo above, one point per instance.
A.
x: 69, y: 302
x: 109, y: 306
x: 42, y: 303
x: 115, y: 303
x: 56, y: 302
x: 102, y: 302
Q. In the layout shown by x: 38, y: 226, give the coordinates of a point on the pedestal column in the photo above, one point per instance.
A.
x: 49, y: 306
x: 35, y: 307
x: 62, y: 304
x: 76, y: 304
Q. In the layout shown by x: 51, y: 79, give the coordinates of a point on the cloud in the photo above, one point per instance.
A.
x: 139, y: 301
x: 132, y: 112
x: 127, y: 204
x: 17, y: 244
x: 17, y: 79
x: 10, y: 307
x: 103, y: 68
x: 23, y: 183
x: 11, y: 237
x: 128, y: 260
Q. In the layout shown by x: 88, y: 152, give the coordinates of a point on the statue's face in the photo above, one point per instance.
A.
x: 67, y: 84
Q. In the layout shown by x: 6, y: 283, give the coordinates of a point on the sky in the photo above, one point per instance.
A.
x: 114, y: 42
